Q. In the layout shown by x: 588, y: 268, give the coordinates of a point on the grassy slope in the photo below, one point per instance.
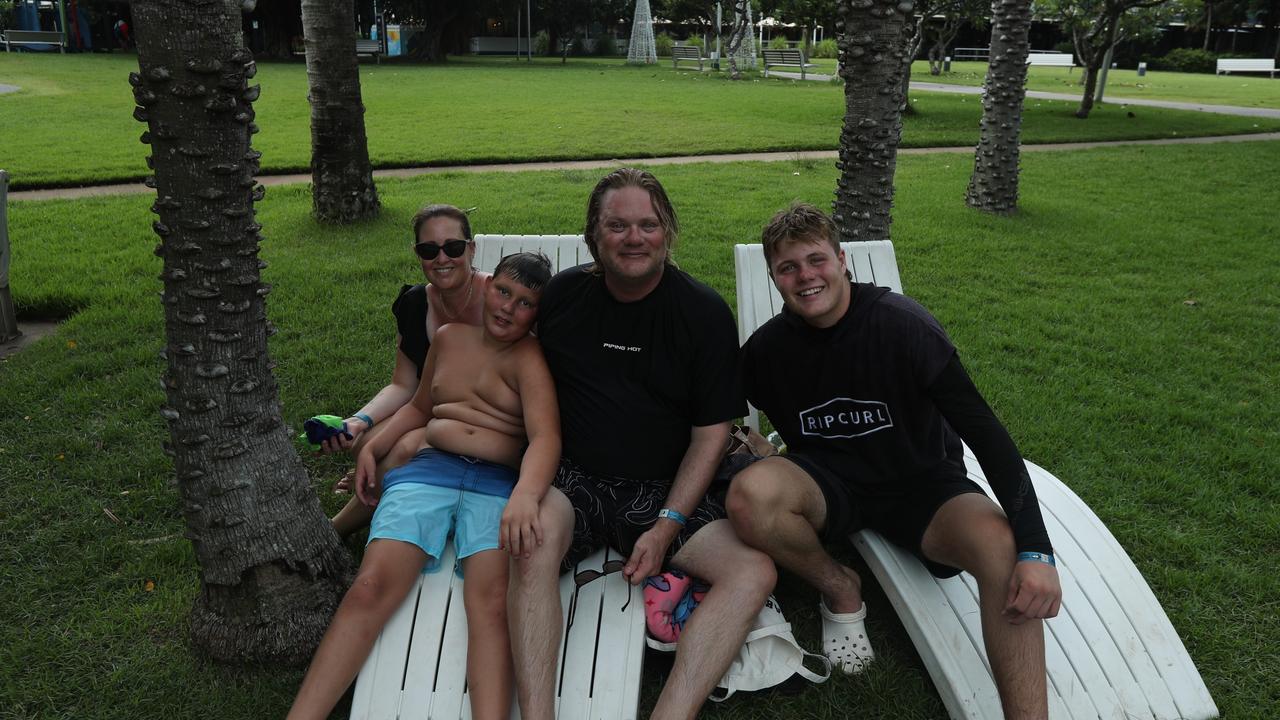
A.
x: 72, y: 123
x: 1127, y: 339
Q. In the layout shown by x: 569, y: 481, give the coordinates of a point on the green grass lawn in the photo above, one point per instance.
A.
x: 1246, y: 90
x: 1123, y: 325
x: 71, y: 123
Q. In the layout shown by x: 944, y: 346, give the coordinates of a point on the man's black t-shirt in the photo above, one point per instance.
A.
x: 633, y: 378
x: 876, y: 396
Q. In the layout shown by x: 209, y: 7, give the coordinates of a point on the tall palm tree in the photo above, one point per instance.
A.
x: 873, y: 58
x: 271, y: 568
x: 993, y: 187
x: 342, y: 187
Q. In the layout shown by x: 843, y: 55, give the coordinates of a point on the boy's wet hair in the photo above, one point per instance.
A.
x: 530, y: 269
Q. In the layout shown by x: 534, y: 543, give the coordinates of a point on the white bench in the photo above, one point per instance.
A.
x: 417, y: 668
x: 1110, y: 653
x: 1226, y: 66
x: 691, y: 53
x: 785, y: 58
x: 1051, y: 59
x: 33, y: 37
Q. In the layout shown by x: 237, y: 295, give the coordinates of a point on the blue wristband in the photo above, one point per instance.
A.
x: 676, y: 515
x: 1045, y: 558
x: 368, y: 421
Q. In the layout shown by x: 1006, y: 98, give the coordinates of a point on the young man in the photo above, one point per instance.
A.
x: 643, y: 358
x: 871, y: 398
x: 485, y: 393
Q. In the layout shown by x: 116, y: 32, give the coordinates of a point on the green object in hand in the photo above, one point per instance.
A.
x: 322, y: 427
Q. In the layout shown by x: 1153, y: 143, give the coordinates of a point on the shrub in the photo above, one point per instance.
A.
x: 605, y: 46
x: 662, y: 44
x: 779, y: 43
x: 826, y: 49
x: 696, y: 41
x: 1190, y: 60
x: 542, y: 43
x: 1066, y: 46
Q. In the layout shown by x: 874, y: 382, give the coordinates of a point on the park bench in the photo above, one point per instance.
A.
x: 785, y: 58
x: 1111, y: 652
x: 1051, y: 59
x: 1226, y: 66
x: 686, y: 52
x: 417, y: 668
x: 33, y: 37
x: 982, y: 54
x: 369, y: 47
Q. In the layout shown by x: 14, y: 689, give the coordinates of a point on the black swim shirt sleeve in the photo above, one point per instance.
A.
x: 964, y: 408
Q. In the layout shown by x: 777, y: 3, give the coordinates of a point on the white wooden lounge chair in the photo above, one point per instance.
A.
x: 417, y: 668
x: 1111, y: 652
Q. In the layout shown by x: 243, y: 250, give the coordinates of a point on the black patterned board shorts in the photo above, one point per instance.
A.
x: 616, y: 512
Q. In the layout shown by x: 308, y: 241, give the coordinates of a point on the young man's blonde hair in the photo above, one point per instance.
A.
x: 801, y: 222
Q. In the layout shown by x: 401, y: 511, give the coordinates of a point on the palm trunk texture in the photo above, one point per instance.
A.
x: 271, y: 568
x: 993, y: 187
x: 873, y: 57
x: 342, y: 188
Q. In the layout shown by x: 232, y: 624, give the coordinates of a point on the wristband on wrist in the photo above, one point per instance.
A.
x: 1045, y: 558
x: 368, y: 421
x: 675, y: 515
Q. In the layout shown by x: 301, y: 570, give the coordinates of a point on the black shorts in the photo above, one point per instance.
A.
x: 900, y: 517
x: 617, y: 511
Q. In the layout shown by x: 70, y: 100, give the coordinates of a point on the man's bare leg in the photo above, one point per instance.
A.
x: 778, y: 509
x: 488, y: 647
x: 740, y: 579
x: 534, y: 611
x: 386, y: 574
x: 971, y: 532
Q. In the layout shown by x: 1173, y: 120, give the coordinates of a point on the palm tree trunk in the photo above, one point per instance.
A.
x: 342, y: 188
x: 993, y: 187
x: 873, y: 55
x: 271, y: 568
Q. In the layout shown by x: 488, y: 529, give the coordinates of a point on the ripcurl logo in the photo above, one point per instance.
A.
x: 845, y: 418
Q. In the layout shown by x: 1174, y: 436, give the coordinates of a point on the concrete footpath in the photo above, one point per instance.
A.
x: 1069, y: 97
x: 272, y: 180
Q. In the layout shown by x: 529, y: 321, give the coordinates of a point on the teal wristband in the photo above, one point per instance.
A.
x: 1045, y: 558
x: 676, y: 515
x: 368, y: 421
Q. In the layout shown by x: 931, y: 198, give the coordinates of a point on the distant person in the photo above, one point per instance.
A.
x: 870, y: 396
x: 446, y: 252
x: 488, y: 405
x: 121, y: 30
x: 644, y: 359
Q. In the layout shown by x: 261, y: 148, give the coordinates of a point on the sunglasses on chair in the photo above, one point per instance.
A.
x: 588, y: 576
x: 452, y: 248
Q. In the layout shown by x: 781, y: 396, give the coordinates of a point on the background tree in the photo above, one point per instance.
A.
x: 994, y: 184
x: 271, y: 568
x: 342, y: 188
x: 1096, y: 26
x: 435, y: 18
x: 940, y: 21
x: 873, y: 55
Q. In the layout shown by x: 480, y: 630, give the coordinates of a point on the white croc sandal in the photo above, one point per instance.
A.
x: 844, y: 639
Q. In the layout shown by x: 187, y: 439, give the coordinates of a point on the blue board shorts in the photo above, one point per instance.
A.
x: 438, y: 494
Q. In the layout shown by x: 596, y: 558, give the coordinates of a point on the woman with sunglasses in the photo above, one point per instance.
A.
x: 444, y: 246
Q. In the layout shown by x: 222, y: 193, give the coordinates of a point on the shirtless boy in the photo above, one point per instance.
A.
x: 484, y: 391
